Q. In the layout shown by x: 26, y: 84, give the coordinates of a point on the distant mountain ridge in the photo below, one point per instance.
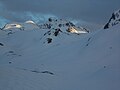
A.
x: 52, y: 30
x: 51, y: 24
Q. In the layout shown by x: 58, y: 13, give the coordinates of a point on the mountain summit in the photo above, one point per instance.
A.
x: 63, y: 25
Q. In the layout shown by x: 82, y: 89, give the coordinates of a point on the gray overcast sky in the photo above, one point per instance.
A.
x: 95, y: 11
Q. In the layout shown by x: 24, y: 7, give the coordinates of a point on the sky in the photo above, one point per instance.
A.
x: 90, y: 11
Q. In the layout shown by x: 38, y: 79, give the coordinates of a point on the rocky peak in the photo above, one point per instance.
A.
x: 115, y: 19
x: 63, y: 25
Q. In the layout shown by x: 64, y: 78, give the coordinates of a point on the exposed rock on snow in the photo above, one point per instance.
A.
x: 1, y: 44
x: 115, y: 19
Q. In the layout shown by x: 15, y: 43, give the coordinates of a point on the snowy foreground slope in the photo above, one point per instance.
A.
x: 71, y: 62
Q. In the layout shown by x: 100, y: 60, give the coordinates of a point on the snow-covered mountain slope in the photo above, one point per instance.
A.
x: 30, y: 25
x: 71, y: 62
x: 115, y: 19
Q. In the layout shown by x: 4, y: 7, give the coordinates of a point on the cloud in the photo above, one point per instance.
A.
x: 96, y: 11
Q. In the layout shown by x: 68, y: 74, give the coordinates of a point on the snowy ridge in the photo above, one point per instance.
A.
x: 28, y: 25
x: 30, y: 22
x: 12, y: 26
x: 51, y: 24
x: 115, y: 19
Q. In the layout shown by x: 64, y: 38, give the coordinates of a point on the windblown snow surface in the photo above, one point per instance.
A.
x: 70, y: 62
